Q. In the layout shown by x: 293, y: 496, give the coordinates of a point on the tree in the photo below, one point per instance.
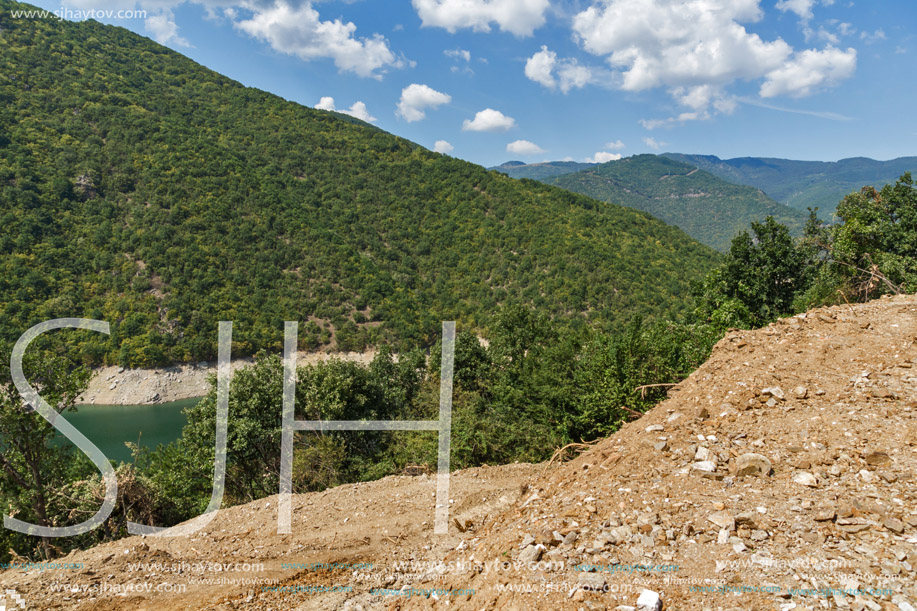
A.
x: 759, y: 279
x: 874, y: 249
x: 32, y: 466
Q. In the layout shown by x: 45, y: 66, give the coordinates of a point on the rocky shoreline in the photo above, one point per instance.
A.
x: 119, y: 386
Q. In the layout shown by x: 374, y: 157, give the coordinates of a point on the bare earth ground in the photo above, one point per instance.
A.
x: 670, y: 504
x: 119, y: 386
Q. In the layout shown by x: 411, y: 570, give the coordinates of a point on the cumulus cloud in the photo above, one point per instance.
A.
x: 654, y: 144
x: 416, y: 99
x: 458, y: 54
x: 803, y: 8
x: 524, y: 147
x: 570, y: 74
x: 163, y: 29
x: 809, y: 71
x: 300, y: 32
x: 603, y: 157
x: 615, y: 145
x: 697, y: 49
x: 489, y: 120
x: 442, y: 146
x: 520, y: 17
x: 357, y: 109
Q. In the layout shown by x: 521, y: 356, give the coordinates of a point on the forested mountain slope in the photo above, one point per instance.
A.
x: 707, y: 208
x: 140, y: 188
x: 804, y: 184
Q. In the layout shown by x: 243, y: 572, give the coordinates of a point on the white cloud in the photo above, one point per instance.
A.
x: 810, y: 71
x: 520, y: 17
x: 654, y: 144
x: 300, y: 32
x: 871, y: 37
x: 524, y: 147
x: 357, y: 109
x: 541, y: 67
x: 698, y: 49
x: 603, y: 157
x: 326, y: 103
x: 821, y: 114
x: 615, y: 145
x: 441, y: 146
x: 803, y: 8
x: 458, y: 54
x: 489, y: 120
x: 416, y: 99
x: 164, y: 30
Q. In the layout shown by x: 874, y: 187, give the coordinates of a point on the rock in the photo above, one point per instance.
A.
x: 618, y: 534
x: 877, y: 458
x: 702, y: 454
x: 723, y: 519
x: 824, y: 515
x: 591, y: 581
x: 894, y: 524
x: 531, y: 554
x: 806, y: 479
x: 746, y: 519
x: 648, y: 519
x: 888, y: 476
x: 753, y: 464
x: 661, y: 446
x: 653, y: 428
x: 705, y: 466
x: 774, y: 391
x: 801, y: 392
x: 649, y: 601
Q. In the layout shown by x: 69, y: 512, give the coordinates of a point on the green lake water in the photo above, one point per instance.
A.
x: 109, y: 426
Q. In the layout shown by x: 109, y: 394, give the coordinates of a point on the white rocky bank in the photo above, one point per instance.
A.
x: 120, y: 386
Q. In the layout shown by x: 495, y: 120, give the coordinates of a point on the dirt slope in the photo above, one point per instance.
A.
x: 671, y: 503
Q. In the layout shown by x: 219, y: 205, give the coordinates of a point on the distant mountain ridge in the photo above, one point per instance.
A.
x: 540, y: 171
x: 803, y: 184
x: 708, y: 208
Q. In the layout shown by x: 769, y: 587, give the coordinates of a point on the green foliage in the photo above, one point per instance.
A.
x: 759, y: 279
x: 803, y: 184
x: 707, y: 208
x: 872, y: 251
x: 145, y: 190
x: 33, y: 469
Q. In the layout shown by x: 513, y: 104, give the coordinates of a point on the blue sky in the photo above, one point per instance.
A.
x: 493, y: 80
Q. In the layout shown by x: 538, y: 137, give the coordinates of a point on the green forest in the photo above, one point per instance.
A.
x: 707, y: 208
x: 142, y: 189
x: 803, y: 184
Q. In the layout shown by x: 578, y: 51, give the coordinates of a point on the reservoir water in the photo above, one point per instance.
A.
x: 109, y: 426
